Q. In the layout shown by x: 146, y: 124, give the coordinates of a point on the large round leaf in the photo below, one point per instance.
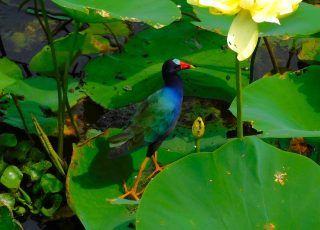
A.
x: 43, y: 91
x: 153, y: 12
x: 300, y: 22
x: 29, y: 108
x: 120, y: 79
x: 284, y: 106
x: 181, y: 139
x: 64, y: 46
x: 9, y: 73
x: 245, y: 184
x: 93, y: 179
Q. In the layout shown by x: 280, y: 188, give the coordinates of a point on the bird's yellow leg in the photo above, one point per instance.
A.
x: 133, y: 191
x: 157, y: 167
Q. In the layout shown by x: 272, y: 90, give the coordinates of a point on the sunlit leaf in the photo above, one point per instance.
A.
x: 42, y: 61
x: 43, y: 91
x: 93, y: 179
x: 284, y: 106
x: 310, y: 50
x: 9, y: 73
x: 245, y: 183
x: 120, y: 79
x: 152, y: 12
x: 12, y: 117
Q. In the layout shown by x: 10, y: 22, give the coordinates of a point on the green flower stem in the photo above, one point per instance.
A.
x: 272, y: 55
x: 197, y: 141
x: 74, y: 124
x: 16, y: 103
x: 239, y: 99
x: 65, y: 102
x: 58, y: 78
x: 292, y: 52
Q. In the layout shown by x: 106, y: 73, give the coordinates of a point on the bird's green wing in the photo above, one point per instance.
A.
x: 154, y: 117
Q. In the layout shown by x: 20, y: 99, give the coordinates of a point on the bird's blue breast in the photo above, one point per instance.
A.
x: 172, y: 100
x: 166, y: 107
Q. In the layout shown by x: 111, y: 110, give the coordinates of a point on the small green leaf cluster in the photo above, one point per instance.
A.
x: 27, y: 186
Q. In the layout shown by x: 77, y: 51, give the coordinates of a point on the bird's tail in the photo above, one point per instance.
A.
x: 119, y: 145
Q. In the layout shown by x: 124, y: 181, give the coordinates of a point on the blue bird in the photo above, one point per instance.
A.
x: 154, y: 120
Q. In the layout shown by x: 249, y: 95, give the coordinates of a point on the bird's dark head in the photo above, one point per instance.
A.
x: 170, y: 69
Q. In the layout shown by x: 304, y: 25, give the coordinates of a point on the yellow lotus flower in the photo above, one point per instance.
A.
x: 244, y: 32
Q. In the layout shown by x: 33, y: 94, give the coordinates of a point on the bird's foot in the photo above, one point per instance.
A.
x: 157, y: 169
x: 132, y: 193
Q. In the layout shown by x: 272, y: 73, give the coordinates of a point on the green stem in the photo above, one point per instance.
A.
x: 272, y: 55
x: 197, y: 141
x: 114, y: 37
x: 58, y: 79
x: 65, y: 102
x: 292, y: 51
x: 16, y: 103
x: 239, y: 99
x: 26, y: 197
x: 73, y: 122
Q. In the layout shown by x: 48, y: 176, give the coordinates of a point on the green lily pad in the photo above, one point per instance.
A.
x: 245, y: 183
x: 310, y: 50
x: 9, y: 73
x: 301, y: 22
x: 182, y: 141
x: 50, y: 183
x: 7, y: 221
x: 93, y: 179
x: 284, y: 106
x: 153, y: 12
x: 42, y: 61
x: 219, y: 24
x: 120, y: 79
x: 43, y: 91
x: 11, y: 177
x: 12, y: 117
x: 118, y: 28
x: 8, y: 140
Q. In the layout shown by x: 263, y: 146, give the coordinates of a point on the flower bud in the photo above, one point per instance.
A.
x: 198, y: 128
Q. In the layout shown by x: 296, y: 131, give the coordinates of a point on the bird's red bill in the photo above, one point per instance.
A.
x: 184, y: 65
